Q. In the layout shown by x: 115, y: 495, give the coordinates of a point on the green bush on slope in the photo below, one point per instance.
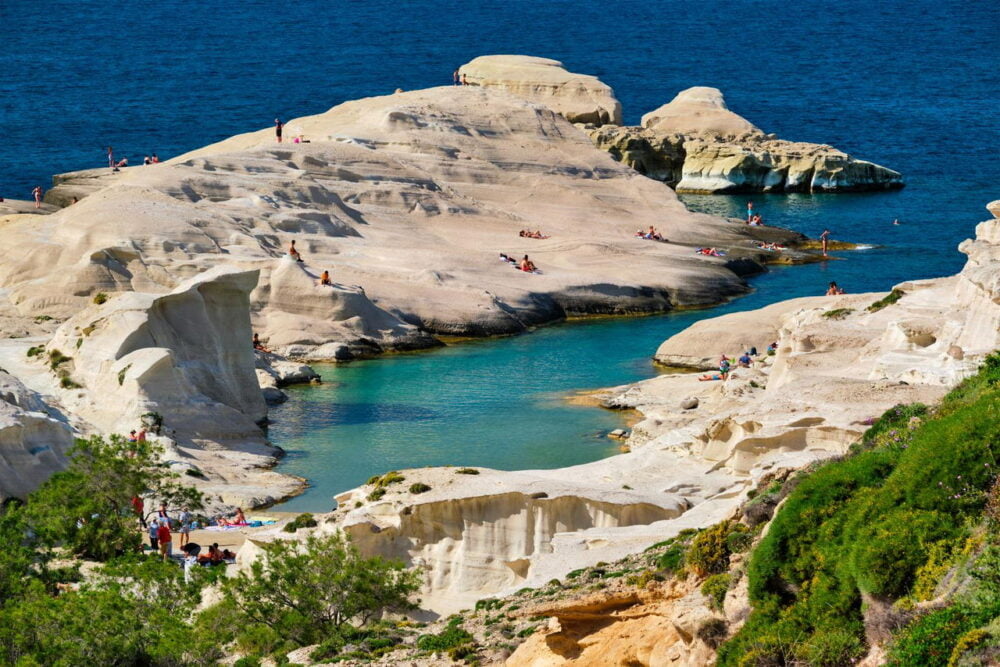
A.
x: 867, y: 524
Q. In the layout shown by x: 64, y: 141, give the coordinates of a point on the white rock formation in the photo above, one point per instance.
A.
x: 489, y: 534
x: 185, y: 355
x: 32, y: 443
x: 407, y: 200
x: 696, y: 144
x: 580, y: 98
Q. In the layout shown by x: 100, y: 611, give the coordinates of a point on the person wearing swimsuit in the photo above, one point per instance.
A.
x: 277, y: 128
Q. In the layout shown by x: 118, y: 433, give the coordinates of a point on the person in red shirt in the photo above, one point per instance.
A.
x: 140, y: 509
x: 163, y: 537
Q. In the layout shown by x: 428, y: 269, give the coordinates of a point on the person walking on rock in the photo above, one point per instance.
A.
x: 277, y: 128
x: 37, y: 194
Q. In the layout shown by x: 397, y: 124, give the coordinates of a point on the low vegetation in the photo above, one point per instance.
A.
x: 860, y: 542
x: 889, y: 299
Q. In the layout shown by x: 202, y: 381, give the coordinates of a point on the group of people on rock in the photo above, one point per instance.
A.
x: 745, y: 360
x: 651, y: 235
x: 459, y: 79
x: 528, y: 234
x: 116, y: 165
x: 159, y: 527
x: 769, y: 246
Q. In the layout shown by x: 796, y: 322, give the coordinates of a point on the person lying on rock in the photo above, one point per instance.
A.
x: 709, y: 378
x: 325, y: 279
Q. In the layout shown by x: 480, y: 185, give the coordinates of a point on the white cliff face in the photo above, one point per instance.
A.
x: 185, y: 355
x: 33, y: 445
x: 696, y: 144
x: 580, y: 98
x: 700, y: 445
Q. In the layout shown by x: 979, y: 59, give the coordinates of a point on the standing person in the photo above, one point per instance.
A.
x: 140, y: 509
x: 161, y: 514
x: 111, y: 157
x: 749, y: 211
x: 141, y: 437
x: 277, y: 128
x: 185, y: 526
x: 165, y: 540
x: 465, y: 82
x: 152, y: 528
x: 824, y: 237
x: 37, y: 194
x: 455, y: 78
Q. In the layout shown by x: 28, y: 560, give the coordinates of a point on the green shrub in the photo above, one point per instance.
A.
x: 67, y: 382
x: 122, y: 373
x: 376, y: 493
x: 57, y: 358
x: 467, y: 471
x: 100, y: 298
x: 838, y: 313
x: 932, y: 638
x: 715, y: 588
x: 453, y: 635
x: 304, y: 520
x: 708, y: 553
x: 889, y: 299
x: 672, y: 560
x: 831, y: 649
x: 419, y: 487
x: 35, y: 350
x: 739, y: 539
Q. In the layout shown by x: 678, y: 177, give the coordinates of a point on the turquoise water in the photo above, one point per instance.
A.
x: 501, y: 403
x: 911, y: 85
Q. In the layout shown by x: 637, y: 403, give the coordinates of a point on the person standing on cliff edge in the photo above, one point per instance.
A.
x: 749, y: 211
x: 456, y: 79
x: 37, y: 194
x: 277, y: 128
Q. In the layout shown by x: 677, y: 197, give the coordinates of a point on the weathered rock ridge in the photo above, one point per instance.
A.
x: 580, y: 98
x: 407, y: 199
x: 696, y: 144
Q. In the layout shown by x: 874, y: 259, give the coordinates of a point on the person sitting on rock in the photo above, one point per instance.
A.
x: 147, y: 160
x: 755, y: 220
x: 523, y: 233
x: 257, y: 345
x: 833, y: 289
x: 772, y: 349
x: 527, y: 265
x: 324, y: 279
x: 294, y: 253
x: 121, y: 163
x: 745, y: 360
x: 154, y: 159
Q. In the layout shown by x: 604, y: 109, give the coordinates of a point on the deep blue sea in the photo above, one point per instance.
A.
x: 910, y: 85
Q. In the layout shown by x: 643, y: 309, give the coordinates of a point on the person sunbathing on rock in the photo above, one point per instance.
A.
x: 755, y: 220
x: 294, y: 253
x: 708, y: 378
x: 834, y: 289
x: 711, y: 252
x: 121, y: 163
x: 257, y: 345
x: 325, y: 279
x: 527, y: 265
x: 537, y: 235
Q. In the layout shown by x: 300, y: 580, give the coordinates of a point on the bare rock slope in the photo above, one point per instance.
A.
x: 580, y: 98
x: 696, y: 144
x: 407, y: 200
